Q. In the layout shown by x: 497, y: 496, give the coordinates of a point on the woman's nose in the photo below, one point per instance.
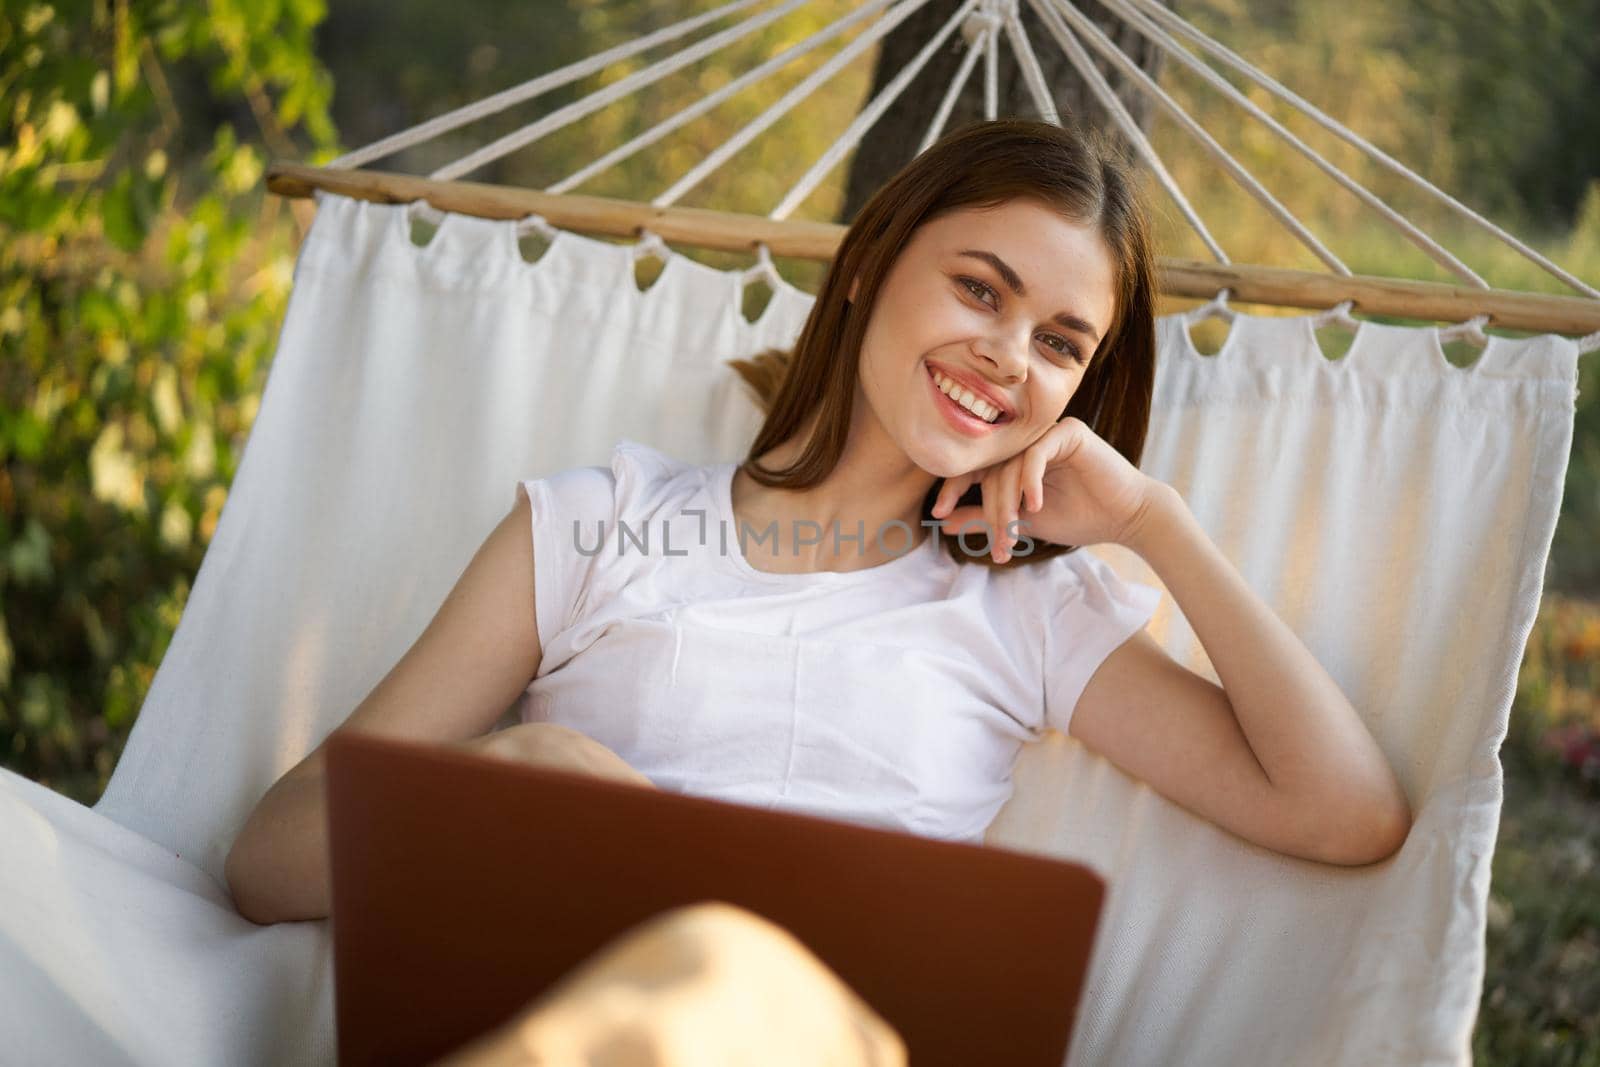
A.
x: 1008, y: 354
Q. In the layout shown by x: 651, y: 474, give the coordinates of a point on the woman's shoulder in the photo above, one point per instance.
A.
x: 1087, y: 584
x: 637, y: 453
x: 631, y: 475
x: 647, y: 479
x: 1080, y: 576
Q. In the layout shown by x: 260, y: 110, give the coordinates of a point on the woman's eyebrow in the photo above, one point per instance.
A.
x: 1012, y: 279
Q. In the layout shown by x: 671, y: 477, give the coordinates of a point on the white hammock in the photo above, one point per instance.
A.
x: 1394, y: 509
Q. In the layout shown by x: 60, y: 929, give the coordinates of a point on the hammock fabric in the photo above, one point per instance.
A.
x: 1395, y: 510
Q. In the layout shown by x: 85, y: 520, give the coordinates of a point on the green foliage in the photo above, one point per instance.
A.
x: 140, y: 304
x: 1541, y: 980
x: 1524, y: 145
x: 1555, y: 723
x: 143, y: 277
x: 428, y: 59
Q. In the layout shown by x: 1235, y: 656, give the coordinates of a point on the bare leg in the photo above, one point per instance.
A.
x: 707, y: 985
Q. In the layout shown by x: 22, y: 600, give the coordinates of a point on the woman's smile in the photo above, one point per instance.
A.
x: 959, y: 418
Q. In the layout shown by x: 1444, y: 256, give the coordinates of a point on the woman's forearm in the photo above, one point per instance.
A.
x: 277, y: 869
x: 1310, y: 741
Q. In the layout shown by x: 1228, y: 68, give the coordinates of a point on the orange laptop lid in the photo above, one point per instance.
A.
x: 464, y: 887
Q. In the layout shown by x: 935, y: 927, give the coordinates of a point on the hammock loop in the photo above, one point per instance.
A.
x: 1217, y: 305
x: 1471, y: 330
x: 533, y: 222
x: 536, y: 223
x: 763, y: 268
x: 989, y: 17
x: 1339, y: 313
x: 650, y: 244
x: 978, y: 24
x: 421, y: 209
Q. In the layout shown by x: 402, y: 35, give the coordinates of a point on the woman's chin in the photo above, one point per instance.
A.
x: 949, y: 459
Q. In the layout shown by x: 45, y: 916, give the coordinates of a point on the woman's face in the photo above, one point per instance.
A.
x: 1011, y: 301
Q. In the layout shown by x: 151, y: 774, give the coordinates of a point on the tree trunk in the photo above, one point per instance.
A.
x: 894, y: 138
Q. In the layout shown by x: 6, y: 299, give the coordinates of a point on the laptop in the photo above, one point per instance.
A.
x: 465, y: 886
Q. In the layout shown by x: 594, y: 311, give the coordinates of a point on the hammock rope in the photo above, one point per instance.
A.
x: 1125, y: 122
x: 977, y: 37
x: 1038, y: 89
x: 725, y: 151
x: 869, y: 115
x: 991, y: 75
x: 982, y: 22
x: 490, y: 105
x: 700, y: 107
x: 1170, y: 46
x: 1339, y: 129
x: 1107, y: 48
x: 611, y: 93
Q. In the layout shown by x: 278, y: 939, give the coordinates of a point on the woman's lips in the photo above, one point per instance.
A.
x: 959, y: 417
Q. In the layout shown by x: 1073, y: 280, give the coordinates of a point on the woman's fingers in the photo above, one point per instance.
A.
x: 1033, y: 464
x: 548, y: 744
x: 590, y: 755
x: 1009, y: 505
x: 951, y: 491
x: 1002, y: 490
x: 993, y: 508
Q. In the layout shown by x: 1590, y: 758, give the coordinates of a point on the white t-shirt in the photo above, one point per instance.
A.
x: 897, y: 696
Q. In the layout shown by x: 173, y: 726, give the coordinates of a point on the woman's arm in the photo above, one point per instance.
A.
x: 1325, y: 787
x: 479, y: 652
x: 1276, y: 754
x: 277, y: 869
x: 282, y: 874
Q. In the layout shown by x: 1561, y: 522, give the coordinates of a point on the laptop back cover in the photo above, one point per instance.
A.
x: 464, y: 887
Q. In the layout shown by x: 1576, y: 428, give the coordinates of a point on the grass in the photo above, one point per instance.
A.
x: 1541, y: 995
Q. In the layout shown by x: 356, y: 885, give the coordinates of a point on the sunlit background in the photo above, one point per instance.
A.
x: 144, y: 273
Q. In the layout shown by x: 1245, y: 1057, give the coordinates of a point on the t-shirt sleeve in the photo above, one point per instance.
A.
x: 1096, y: 612
x: 568, y: 508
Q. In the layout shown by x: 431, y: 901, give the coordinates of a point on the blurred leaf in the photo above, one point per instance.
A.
x: 133, y: 341
x: 28, y: 556
x: 7, y: 655
x: 125, y: 222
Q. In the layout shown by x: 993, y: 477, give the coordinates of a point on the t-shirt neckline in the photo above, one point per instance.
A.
x: 722, y: 493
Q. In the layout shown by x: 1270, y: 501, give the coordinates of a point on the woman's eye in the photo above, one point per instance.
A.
x: 976, y: 288
x: 1065, y: 348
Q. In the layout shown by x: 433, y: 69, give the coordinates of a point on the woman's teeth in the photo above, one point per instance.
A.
x: 965, y: 397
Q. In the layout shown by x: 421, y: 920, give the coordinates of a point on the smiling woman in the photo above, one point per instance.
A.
x: 982, y: 349
x: 1010, y: 264
x: 1017, y: 356
x: 1006, y: 348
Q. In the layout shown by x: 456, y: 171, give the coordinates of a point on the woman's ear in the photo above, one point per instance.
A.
x: 855, y: 286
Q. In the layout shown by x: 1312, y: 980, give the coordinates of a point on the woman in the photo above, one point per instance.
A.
x: 981, y: 357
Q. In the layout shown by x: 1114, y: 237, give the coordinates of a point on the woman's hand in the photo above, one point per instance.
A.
x: 1074, y: 488
x: 547, y: 744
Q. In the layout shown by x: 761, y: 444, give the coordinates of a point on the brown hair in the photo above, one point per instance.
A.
x: 980, y: 165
